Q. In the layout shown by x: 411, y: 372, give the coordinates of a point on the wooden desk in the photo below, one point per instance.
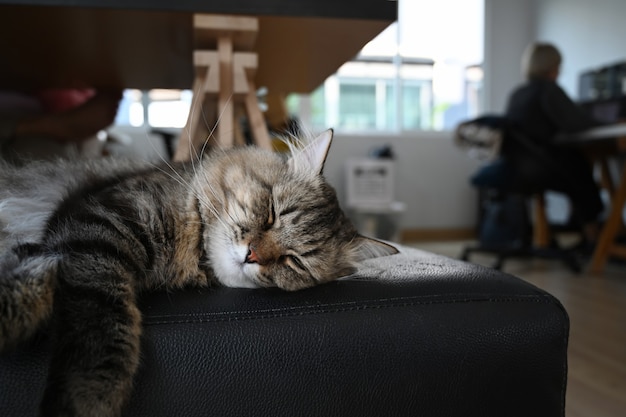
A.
x: 604, y: 143
x: 149, y: 44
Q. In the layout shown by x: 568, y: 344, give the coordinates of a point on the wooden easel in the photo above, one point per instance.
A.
x: 225, y: 69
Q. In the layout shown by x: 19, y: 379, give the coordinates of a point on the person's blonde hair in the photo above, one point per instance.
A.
x: 539, y: 60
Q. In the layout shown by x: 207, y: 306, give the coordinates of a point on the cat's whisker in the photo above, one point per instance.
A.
x: 196, y: 96
x: 155, y: 149
x: 198, y: 154
x: 206, y: 200
x: 175, y: 175
x: 212, y: 190
x: 209, y: 136
x: 202, y: 198
x: 178, y: 178
x: 209, y: 206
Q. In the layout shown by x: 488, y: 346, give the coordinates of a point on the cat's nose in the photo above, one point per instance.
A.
x: 252, y: 257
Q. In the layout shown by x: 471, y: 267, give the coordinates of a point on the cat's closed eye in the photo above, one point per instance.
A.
x: 295, y: 261
x: 288, y: 210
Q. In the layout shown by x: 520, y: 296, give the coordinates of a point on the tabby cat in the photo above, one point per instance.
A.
x: 80, y: 241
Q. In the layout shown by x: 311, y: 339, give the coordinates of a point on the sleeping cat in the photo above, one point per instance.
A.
x: 80, y: 241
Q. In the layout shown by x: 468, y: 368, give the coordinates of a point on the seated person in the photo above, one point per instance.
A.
x: 541, y: 110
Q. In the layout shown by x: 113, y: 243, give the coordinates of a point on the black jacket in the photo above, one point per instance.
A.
x: 541, y: 109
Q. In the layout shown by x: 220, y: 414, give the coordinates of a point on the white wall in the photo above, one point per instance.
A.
x: 509, y: 27
x: 589, y: 33
x: 431, y: 177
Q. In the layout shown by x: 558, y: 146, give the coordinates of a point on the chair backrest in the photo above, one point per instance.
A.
x: 481, y: 141
x: 489, y: 137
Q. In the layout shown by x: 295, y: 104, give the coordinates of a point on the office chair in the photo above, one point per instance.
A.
x: 505, y: 228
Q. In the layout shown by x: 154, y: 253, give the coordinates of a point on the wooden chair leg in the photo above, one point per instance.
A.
x: 186, y: 146
x: 226, y: 76
x: 256, y: 120
x: 541, y: 228
x: 225, y: 100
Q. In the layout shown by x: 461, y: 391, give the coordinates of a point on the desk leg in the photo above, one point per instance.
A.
x: 606, y: 242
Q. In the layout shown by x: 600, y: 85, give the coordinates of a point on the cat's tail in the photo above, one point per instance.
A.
x: 27, y: 281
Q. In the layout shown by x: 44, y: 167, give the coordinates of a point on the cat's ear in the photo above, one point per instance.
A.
x: 311, y: 157
x: 368, y: 248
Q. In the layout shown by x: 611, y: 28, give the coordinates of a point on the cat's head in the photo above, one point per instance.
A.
x: 280, y: 223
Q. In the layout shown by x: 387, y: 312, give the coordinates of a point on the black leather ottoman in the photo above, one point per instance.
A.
x: 413, y: 334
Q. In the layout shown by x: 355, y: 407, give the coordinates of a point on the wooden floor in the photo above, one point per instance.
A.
x: 596, y: 305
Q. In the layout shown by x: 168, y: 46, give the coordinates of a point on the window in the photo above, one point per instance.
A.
x: 357, y: 107
x: 130, y: 110
x: 155, y: 108
x: 421, y: 73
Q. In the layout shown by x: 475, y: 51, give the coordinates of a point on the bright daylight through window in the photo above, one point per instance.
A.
x: 423, y: 72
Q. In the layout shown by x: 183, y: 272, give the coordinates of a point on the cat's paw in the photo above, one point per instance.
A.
x: 26, y: 295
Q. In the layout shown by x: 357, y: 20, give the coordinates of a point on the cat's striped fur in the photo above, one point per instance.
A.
x: 81, y: 240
